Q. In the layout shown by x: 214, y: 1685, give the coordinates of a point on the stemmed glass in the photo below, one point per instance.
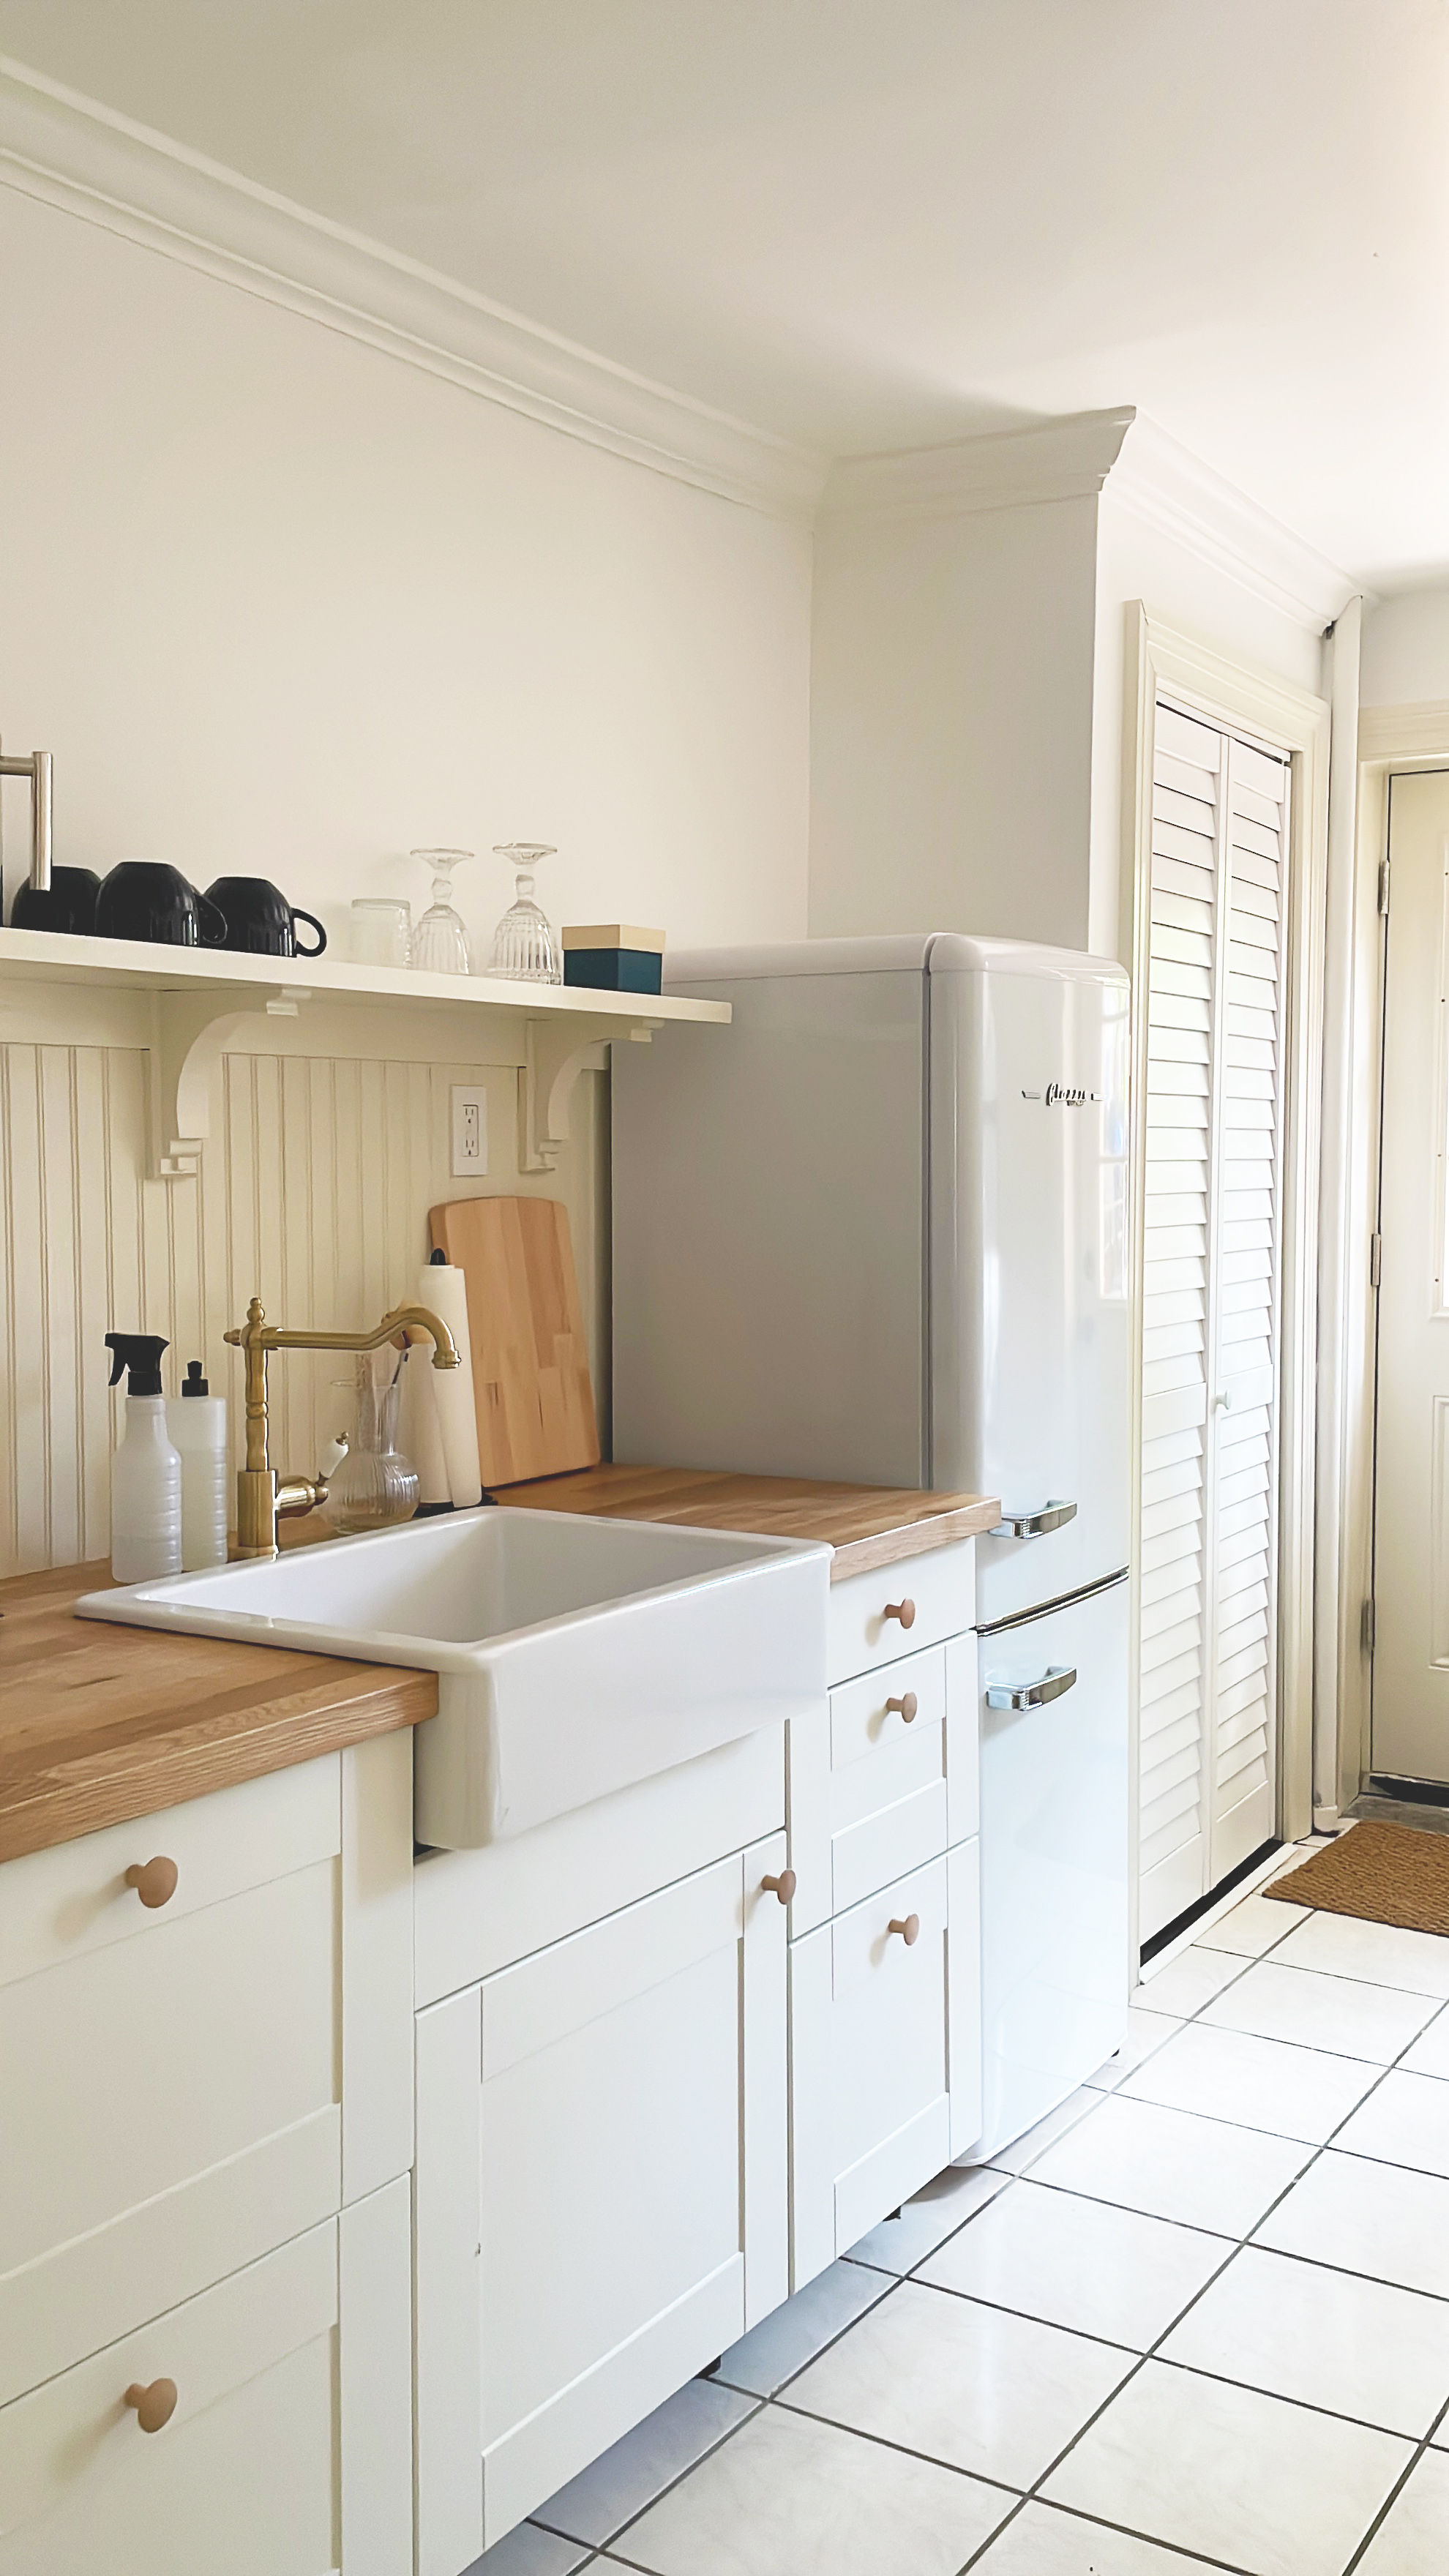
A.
x: 525, y: 950
x: 440, y: 941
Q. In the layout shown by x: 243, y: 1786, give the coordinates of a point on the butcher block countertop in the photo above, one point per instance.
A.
x: 865, y: 1524
x: 102, y: 1724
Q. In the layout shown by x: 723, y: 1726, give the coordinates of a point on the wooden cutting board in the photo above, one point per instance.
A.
x: 531, y: 1381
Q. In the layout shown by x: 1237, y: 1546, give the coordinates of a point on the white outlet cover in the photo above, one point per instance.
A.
x: 470, y: 1130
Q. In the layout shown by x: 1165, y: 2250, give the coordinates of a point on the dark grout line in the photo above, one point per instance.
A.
x: 1100, y: 2522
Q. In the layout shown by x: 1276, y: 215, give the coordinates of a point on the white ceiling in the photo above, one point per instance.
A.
x: 871, y: 224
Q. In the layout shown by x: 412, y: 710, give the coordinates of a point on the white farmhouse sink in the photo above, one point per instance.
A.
x: 574, y: 1654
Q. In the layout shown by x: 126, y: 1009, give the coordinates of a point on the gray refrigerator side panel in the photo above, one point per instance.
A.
x: 768, y: 1284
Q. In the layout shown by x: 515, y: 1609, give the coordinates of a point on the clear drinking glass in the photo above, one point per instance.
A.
x: 525, y: 950
x: 440, y: 942
x: 382, y: 931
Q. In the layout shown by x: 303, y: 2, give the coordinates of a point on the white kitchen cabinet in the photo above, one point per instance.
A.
x: 601, y: 2189
x: 884, y: 1812
x: 195, y: 2088
x: 286, y: 2445
x: 885, y: 2054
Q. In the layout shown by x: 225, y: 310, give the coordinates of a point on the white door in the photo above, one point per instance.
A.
x: 1210, y: 1209
x: 1410, y: 1733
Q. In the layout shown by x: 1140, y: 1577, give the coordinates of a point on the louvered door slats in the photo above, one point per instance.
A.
x: 1210, y: 1214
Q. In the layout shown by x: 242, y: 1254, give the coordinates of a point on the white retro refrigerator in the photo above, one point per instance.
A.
x: 877, y: 1230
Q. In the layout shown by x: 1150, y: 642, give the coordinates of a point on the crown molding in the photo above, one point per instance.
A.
x: 1172, y: 490
x: 70, y: 152
x: 1054, y: 460
x: 1411, y: 734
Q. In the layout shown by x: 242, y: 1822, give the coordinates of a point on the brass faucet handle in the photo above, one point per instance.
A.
x: 298, y: 1494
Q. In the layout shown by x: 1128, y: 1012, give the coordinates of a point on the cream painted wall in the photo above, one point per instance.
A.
x: 1137, y: 560
x: 1405, y: 650
x: 952, y: 722
x: 279, y: 603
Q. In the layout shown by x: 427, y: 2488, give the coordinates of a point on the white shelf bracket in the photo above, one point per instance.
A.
x: 190, y: 1033
x: 554, y: 1055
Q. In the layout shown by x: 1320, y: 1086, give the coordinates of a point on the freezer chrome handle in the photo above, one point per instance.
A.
x: 1035, y: 1524
x: 1056, y: 1679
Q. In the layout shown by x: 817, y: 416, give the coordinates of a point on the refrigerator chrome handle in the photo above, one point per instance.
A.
x: 1035, y: 1524
x: 1056, y: 1679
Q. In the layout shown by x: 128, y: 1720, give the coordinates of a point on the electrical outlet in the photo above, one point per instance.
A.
x: 470, y: 1131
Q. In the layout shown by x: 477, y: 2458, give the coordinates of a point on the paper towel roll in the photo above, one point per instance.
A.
x: 445, y: 1290
x: 419, y: 1432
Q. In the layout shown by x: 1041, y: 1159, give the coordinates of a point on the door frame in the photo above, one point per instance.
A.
x: 1392, y: 741
x: 1204, y: 680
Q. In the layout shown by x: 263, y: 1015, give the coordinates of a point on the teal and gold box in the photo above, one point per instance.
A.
x: 617, y: 958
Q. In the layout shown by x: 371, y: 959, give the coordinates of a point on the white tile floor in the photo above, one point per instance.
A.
x: 1199, y: 2318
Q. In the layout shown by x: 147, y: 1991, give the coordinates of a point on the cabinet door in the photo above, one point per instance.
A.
x: 601, y: 2170
x: 869, y: 2103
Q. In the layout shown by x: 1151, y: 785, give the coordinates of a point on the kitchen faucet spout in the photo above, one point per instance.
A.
x: 262, y: 1497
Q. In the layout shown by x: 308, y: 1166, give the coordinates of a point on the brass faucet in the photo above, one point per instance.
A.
x: 262, y: 1497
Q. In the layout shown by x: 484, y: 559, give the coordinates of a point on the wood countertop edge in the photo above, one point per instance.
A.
x: 914, y: 1538
x: 195, y: 1755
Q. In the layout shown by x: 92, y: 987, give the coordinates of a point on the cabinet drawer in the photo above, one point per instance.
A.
x: 244, y: 2476
x: 864, y: 1727
x: 936, y: 1593
x: 134, y: 2067
x: 874, y: 1791
x: 61, y: 1905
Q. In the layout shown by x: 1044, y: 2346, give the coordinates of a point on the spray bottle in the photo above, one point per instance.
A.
x: 145, y: 1471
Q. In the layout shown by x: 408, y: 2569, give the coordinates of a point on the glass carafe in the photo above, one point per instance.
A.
x: 373, y: 1484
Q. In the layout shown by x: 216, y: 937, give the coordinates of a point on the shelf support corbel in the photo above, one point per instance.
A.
x: 554, y: 1055
x: 190, y: 1033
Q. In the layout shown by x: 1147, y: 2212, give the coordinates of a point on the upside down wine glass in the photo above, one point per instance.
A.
x: 525, y: 950
x: 440, y: 941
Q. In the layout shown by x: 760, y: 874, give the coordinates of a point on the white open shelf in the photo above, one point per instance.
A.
x: 202, y: 999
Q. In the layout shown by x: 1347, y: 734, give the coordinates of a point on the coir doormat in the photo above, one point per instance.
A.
x: 1382, y: 1873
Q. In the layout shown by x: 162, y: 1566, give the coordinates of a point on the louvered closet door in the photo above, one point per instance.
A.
x: 1210, y: 1313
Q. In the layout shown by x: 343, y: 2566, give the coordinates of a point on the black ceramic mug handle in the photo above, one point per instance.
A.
x: 210, y: 938
x: 313, y: 924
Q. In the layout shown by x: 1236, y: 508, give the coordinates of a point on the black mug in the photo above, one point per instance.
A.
x: 67, y: 903
x: 260, y: 920
x: 142, y: 899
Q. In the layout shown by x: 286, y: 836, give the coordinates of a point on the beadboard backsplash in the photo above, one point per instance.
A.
x: 314, y: 1194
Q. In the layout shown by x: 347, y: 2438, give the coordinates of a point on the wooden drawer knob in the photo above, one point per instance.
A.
x: 909, y: 1930
x: 155, y: 1883
x: 905, y: 1611
x: 155, y: 2405
x: 783, y: 1886
x: 905, y: 1707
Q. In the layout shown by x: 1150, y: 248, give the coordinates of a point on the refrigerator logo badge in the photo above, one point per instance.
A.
x: 1063, y: 1095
